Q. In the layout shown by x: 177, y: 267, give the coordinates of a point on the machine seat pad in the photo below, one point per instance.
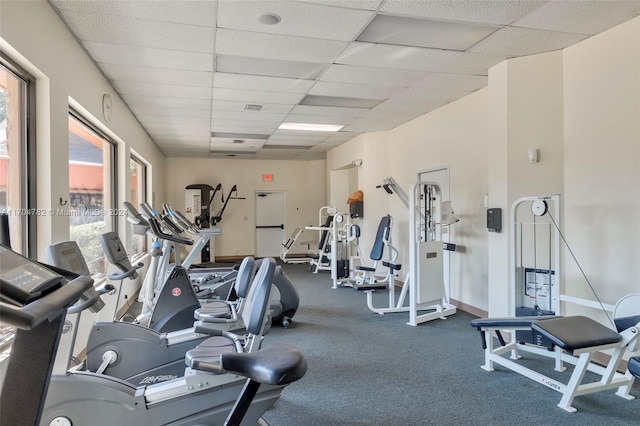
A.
x: 365, y: 268
x: 209, y: 351
x: 212, y: 311
x: 278, y: 365
x: 576, y: 332
x: 394, y: 266
x: 508, y: 321
x: 634, y: 366
x: 374, y: 286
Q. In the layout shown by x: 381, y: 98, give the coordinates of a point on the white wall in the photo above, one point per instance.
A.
x: 453, y: 136
x: 303, y: 181
x: 602, y: 162
x: 33, y: 35
x: 526, y: 112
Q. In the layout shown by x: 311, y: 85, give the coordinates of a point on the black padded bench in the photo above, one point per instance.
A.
x: 505, y: 322
x: 576, y: 332
x: 634, y: 366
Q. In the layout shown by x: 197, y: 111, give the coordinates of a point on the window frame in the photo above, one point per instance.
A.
x: 28, y: 166
x: 110, y: 220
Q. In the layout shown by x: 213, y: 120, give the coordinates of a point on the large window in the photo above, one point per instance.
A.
x: 92, y: 174
x: 137, y: 195
x: 14, y: 191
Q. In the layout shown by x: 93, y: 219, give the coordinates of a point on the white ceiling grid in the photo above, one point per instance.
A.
x: 209, y: 78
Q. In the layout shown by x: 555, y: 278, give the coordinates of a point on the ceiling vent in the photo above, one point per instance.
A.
x: 252, y: 107
x: 238, y: 141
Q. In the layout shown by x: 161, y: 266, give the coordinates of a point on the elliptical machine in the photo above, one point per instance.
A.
x: 35, y: 300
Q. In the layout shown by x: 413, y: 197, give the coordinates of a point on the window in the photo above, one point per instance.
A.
x: 14, y: 144
x: 137, y: 195
x: 91, y: 189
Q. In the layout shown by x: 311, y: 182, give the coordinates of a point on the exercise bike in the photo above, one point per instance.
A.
x: 115, y: 348
x: 35, y: 299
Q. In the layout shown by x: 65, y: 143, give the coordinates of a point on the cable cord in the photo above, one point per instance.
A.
x: 581, y: 270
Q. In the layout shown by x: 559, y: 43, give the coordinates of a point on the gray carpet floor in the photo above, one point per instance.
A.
x: 368, y: 369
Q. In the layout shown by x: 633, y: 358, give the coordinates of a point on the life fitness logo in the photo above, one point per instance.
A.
x: 176, y: 292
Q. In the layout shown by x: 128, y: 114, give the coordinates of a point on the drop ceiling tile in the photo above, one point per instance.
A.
x: 278, y: 154
x: 173, y: 132
x: 293, y: 118
x: 257, y: 116
x: 244, y: 130
x: 163, y: 102
x: 524, y: 41
x: 473, y: 63
x: 170, y: 112
x: 173, y: 120
x: 453, y: 81
x: 149, y: 57
x: 352, y: 4
x: 488, y: 11
x: 410, y: 31
x: 164, y: 90
x: 279, y: 135
x: 218, y: 105
x: 256, y: 97
x: 231, y: 146
x: 236, y: 155
x: 339, y: 101
x: 276, y: 46
x: 157, y: 75
x: 255, y: 82
x: 329, y: 111
x: 123, y: 30
x: 369, y: 75
x: 272, y: 125
x: 297, y: 19
x: 583, y: 17
x: 420, y: 94
x: 362, y: 91
x: 269, y: 67
x: 396, y: 57
x: 280, y: 142
x: 185, y: 12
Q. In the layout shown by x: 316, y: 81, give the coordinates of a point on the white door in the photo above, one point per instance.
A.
x: 270, y: 220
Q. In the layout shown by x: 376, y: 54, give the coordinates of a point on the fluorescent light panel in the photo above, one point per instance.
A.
x: 311, y: 127
x: 268, y: 67
x: 403, y: 31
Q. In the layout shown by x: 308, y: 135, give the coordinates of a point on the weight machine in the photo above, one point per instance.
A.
x: 338, y: 247
x: 424, y: 282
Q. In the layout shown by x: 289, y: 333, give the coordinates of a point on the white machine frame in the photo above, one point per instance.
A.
x: 554, y: 249
x: 337, y: 234
x: 424, y: 281
x: 610, y: 378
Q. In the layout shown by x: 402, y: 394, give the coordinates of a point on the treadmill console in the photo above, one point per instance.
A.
x: 22, y: 279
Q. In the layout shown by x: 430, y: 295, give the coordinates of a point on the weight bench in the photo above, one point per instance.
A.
x: 574, y: 340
